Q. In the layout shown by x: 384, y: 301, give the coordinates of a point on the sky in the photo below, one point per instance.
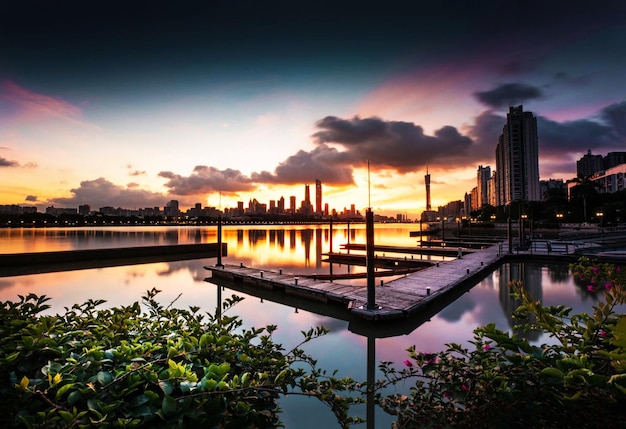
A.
x: 133, y: 104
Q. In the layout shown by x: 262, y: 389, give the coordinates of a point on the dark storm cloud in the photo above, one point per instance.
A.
x: 102, y: 193
x: 615, y: 116
x: 7, y: 163
x: 508, y: 94
x: 395, y: 145
x: 205, y: 179
x: 559, y: 138
x: 486, y: 129
x: 322, y: 162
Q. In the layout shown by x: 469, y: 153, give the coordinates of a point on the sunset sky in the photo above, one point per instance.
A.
x: 132, y: 104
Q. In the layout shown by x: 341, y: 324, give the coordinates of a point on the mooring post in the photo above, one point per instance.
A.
x: 369, y: 261
x: 219, y: 242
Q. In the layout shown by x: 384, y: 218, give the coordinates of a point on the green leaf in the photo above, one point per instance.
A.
x: 169, y: 405
x: 74, y: 397
x: 10, y: 358
x: 166, y: 387
x: 63, y: 389
x: 105, y: 377
x: 552, y: 373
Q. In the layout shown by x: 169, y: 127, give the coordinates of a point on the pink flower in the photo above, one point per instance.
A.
x: 595, y: 270
x: 447, y: 395
x: 603, y: 334
x: 464, y: 386
x: 590, y: 288
x: 607, y: 286
x: 487, y: 347
x: 432, y: 360
x: 408, y: 363
x: 618, y: 269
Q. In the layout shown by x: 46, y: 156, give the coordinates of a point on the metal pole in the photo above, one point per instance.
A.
x: 369, y: 261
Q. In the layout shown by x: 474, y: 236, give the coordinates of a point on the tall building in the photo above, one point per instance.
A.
x: 517, y: 159
x: 318, y: 197
x: 482, y: 186
x: 292, y: 204
x: 589, y: 164
x: 613, y: 159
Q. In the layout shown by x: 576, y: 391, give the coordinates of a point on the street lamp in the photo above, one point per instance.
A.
x: 600, y: 215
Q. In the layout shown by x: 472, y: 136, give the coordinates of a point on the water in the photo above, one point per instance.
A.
x: 294, y: 249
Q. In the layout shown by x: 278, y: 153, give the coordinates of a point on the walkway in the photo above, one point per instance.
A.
x: 398, y: 298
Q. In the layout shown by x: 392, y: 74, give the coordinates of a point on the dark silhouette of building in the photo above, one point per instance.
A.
x: 517, y: 159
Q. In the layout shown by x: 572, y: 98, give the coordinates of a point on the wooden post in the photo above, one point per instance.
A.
x: 369, y: 260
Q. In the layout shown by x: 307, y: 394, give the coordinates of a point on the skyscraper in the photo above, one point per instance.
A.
x: 318, y: 197
x: 517, y: 159
x: 482, y: 186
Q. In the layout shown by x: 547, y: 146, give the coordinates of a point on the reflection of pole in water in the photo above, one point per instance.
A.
x: 219, y: 242
x: 218, y: 309
x: 292, y: 239
x: 371, y: 374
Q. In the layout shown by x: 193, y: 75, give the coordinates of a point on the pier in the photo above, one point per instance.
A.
x: 16, y: 264
x: 396, y: 299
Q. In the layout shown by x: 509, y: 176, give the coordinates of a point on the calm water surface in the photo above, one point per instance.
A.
x: 296, y: 249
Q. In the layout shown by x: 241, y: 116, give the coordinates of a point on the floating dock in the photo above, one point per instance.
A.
x: 397, y: 299
x: 16, y: 264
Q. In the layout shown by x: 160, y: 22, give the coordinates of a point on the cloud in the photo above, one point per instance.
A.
x: 8, y: 163
x: 32, y: 198
x: 486, y: 129
x: 559, y: 138
x: 102, y: 193
x: 323, y: 162
x: 395, y: 145
x: 615, y: 116
x: 207, y: 179
x: 20, y: 103
x: 508, y: 94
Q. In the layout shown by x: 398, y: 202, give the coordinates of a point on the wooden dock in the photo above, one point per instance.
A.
x: 399, y: 298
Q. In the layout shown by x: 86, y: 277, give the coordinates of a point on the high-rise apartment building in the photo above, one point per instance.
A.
x: 589, y: 164
x: 482, y: 186
x: 517, y: 159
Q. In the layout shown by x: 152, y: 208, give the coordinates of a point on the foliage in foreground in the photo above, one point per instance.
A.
x: 578, y: 380
x: 167, y: 368
x: 172, y: 368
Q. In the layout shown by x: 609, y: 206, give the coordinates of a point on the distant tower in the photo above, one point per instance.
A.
x: 427, y: 182
x: 318, y: 196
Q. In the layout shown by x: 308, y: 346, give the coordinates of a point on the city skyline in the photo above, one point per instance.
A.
x: 223, y: 103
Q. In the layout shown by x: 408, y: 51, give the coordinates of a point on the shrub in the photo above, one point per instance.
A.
x: 579, y: 380
x: 166, y: 368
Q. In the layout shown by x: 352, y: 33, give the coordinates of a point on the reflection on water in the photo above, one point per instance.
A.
x: 297, y: 249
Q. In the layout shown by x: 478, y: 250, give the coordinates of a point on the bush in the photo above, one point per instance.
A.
x: 165, y: 368
x: 504, y: 382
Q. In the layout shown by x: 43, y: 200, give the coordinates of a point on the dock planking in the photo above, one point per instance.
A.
x: 402, y: 297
